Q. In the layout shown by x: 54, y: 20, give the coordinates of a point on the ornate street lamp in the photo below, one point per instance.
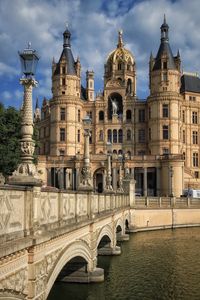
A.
x: 26, y: 173
x: 85, y: 172
x: 109, y: 187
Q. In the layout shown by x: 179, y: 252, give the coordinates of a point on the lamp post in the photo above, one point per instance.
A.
x: 85, y: 172
x: 121, y: 160
x: 109, y: 187
x: 26, y: 173
x: 171, y: 172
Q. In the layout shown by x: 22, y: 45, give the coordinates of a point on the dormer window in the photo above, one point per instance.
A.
x: 63, y: 70
x: 165, y: 65
x: 63, y: 81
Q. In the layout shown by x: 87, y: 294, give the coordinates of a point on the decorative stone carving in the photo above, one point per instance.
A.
x: 113, y: 83
x: 27, y: 147
x: 51, y: 259
x: 2, y: 179
x: 6, y: 209
x: 16, y: 281
x: 45, y: 209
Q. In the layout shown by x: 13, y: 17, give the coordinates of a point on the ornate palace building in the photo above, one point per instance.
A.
x: 155, y: 140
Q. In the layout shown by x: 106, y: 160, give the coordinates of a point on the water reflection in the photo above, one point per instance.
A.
x: 155, y: 265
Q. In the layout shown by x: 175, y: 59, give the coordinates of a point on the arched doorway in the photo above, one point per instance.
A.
x: 98, y: 180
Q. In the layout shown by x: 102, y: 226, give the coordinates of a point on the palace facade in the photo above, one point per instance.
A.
x: 156, y: 140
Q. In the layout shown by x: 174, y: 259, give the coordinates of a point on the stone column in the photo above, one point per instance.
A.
x: 61, y: 178
x: 26, y: 173
x: 77, y: 178
x: 86, y: 182
x: 133, y: 172
x: 158, y: 175
x: 109, y: 187
x: 66, y: 179
x: 145, y: 182
x: 49, y: 177
x: 114, y: 178
x: 120, y: 179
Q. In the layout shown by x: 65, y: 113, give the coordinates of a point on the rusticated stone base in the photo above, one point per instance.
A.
x: 81, y: 276
x: 109, y: 251
x: 123, y: 237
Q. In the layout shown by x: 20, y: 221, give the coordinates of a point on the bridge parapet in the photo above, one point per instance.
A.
x: 28, y: 212
x: 166, y: 202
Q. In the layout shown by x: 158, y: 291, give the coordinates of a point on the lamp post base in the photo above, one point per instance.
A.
x: 26, y: 175
x: 87, y: 188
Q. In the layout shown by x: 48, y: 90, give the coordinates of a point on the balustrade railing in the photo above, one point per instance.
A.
x: 167, y: 202
x: 27, y: 211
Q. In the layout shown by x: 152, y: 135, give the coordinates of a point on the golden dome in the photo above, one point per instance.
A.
x: 120, y: 53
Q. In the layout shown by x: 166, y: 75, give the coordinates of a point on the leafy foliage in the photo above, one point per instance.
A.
x: 10, y: 124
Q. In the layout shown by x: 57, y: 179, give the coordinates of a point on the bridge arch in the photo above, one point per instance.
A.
x: 119, y: 223
x: 76, y: 249
x: 105, y: 231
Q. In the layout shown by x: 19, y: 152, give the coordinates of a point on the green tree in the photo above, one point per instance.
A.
x: 10, y: 124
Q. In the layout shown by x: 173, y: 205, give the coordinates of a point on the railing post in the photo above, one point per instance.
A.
x: 188, y: 201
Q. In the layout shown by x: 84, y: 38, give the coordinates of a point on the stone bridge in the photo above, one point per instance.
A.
x: 45, y: 232
x: 49, y: 235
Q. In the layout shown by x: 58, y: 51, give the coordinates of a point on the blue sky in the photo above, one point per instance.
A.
x: 94, y: 25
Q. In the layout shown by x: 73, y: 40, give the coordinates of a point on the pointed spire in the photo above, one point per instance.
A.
x: 37, y: 103
x: 151, y: 55
x: 178, y: 54
x: 66, y: 37
x: 164, y: 31
x: 164, y: 22
x: 120, y: 41
x: 164, y: 49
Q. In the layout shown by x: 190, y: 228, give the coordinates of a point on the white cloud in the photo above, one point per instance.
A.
x: 94, y: 27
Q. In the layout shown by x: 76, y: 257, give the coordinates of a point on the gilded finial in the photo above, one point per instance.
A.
x: 120, y: 41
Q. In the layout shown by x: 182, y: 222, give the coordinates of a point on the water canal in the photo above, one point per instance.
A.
x: 156, y: 265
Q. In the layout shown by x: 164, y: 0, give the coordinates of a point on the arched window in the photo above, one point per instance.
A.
x: 120, y: 152
x: 114, y: 151
x: 129, y: 154
x: 119, y: 66
x: 129, y: 86
x: 115, y: 136
x: 128, y: 135
x: 109, y: 136
x: 79, y: 115
x: 128, y: 115
x: 128, y: 67
x: 120, y: 136
x: 79, y: 136
x: 101, y: 115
